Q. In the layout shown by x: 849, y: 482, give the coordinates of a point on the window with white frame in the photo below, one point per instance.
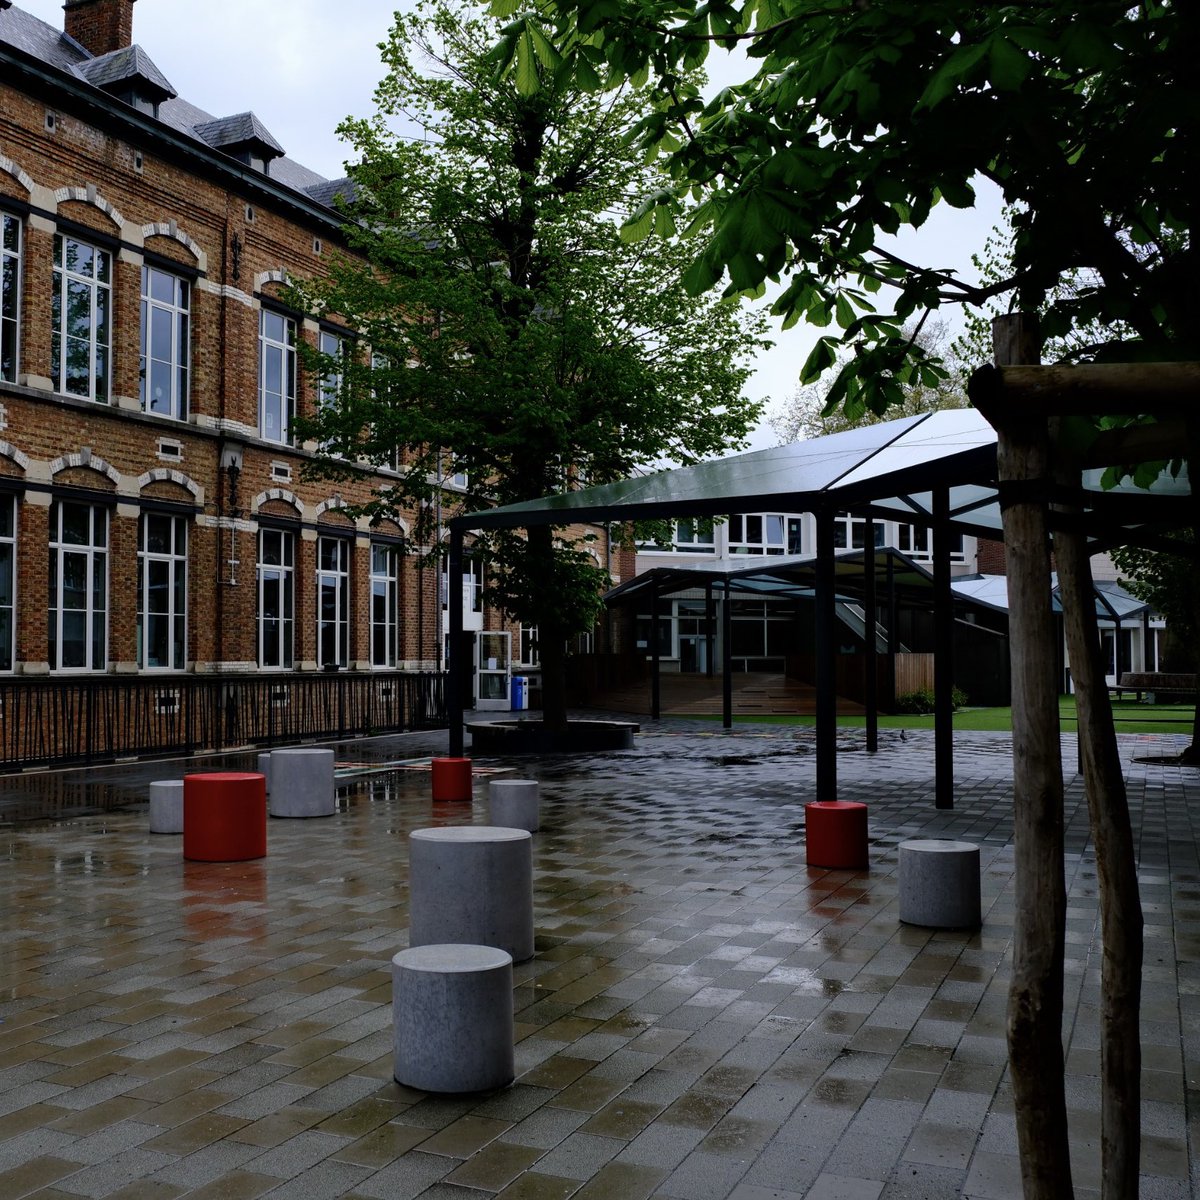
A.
x: 381, y: 368
x: 385, y: 604
x: 276, y: 375
x: 531, y: 655
x: 10, y: 295
x: 691, y: 535
x: 917, y: 542
x: 850, y: 532
x: 765, y: 533
x: 331, y: 385
x: 8, y: 578
x: 78, y: 591
x: 81, y: 316
x: 165, y: 356
x: 333, y: 602
x: 162, y: 592
x: 276, y: 597
x: 472, y: 584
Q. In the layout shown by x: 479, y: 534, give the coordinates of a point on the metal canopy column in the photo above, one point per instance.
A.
x: 871, y: 659
x: 943, y: 654
x: 655, y: 655
x: 726, y: 660
x: 826, y: 655
x: 710, y: 632
x: 454, y: 699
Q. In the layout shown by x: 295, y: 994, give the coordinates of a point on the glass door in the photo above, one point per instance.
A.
x: 493, y: 671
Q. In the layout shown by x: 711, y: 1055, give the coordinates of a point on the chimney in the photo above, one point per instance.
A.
x: 100, y: 26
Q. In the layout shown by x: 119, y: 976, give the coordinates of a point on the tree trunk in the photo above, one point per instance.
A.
x: 1035, y: 999
x: 1120, y: 906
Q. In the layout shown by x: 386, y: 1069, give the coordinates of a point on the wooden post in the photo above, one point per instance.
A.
x: 1120, y: 905
x: 1035, y: 1000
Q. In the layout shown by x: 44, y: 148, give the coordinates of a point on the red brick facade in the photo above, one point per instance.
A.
x: 78, y: 164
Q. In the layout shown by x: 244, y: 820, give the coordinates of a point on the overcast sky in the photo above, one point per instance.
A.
x: 303, y: 65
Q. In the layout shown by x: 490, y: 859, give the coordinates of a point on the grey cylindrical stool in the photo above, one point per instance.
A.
x: 514, y: 803
x: 471, y: 884
x: 452, y: 1018
x: 939, y: 884
x: 166, y: 806
x: 264, y: 768
x: 302, y: 783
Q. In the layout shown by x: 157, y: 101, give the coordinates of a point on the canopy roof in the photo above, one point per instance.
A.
x: 892, y: 468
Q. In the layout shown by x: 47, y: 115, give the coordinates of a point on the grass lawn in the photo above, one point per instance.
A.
x: 1131, y: 717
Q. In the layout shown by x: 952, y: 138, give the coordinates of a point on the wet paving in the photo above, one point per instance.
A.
x: 705, y: 1016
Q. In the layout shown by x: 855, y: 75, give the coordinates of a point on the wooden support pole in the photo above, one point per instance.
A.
x: 1035, y: 1001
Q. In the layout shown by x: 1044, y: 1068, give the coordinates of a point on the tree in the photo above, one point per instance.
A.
x: 852, y: 122
x: 1171, y: 583
x: 805, y: 413
x: 514, y: 337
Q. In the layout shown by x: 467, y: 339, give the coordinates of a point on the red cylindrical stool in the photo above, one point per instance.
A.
x: 452, y: 779
x: 835, y: 834
x: 224, y: 816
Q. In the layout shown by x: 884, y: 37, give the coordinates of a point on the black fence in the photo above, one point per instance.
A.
x: 79, y: 721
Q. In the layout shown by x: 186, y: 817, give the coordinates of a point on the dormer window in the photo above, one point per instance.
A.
x: 243, y: 137
x: 129, y: 75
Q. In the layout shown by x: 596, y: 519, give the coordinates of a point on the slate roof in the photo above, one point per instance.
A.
x: 56, y: 49
x: 130, y: 63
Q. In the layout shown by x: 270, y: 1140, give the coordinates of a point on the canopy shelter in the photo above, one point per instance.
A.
x: 901, y: 583
x: 936, y: 470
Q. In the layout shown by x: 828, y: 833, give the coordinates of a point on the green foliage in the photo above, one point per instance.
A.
x: 514, y: 335
x: 923, y: 701
x: 1170, y: 583
x: 807, y: 413
x: 851, y: 122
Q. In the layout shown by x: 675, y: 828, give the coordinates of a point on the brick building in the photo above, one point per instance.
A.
x: 155, y: 519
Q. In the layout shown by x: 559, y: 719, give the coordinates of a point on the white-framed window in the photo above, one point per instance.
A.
x: 381, y: 368
x: 78, y: 592
x: 81, y: 315
x: 472, y: 585
x: 331, y: 385
x: 10, y: 296
x: 385, y: 604
x: 765, y: 533
x: 333, y: 602
x: 165, y: 351
x: 691, y: 535
x: 917, y: 542
x: 531, y: 655
x: 276, y: 597
x: 162, y: 592
x: 276, y: 375
x: 850, y: 532
x: 8, y: 579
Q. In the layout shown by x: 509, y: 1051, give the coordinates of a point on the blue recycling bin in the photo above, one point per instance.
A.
x: 520, y: 693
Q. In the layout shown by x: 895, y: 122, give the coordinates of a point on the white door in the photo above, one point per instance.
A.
x: 493, y: 671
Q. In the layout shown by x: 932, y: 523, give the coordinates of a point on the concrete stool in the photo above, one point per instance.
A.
x: 835, y: 834
x: 939, y: 884
x: 224, y: 816
x: 264, y: 768
x: 452, y: 779
x: 302, y: 783
x: 166, y: 806
x: 452, y: 1018
x: 514, y: 803
x: 471, y: 884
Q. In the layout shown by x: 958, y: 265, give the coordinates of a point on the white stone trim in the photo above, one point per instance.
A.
x: 170, y: 229
x: 227, y: 291
x: 85, y: 458
x: 333, y: 504
x: 10, y: 168
x: 276, y: 494
x: 167, y: 475
x: 89, y: 195
x: 278, y: 275
x: 9, y: 451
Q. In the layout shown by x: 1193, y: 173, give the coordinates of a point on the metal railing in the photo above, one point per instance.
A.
x: 69, y: 721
